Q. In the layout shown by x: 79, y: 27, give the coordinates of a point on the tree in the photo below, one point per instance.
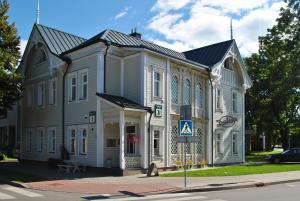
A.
x: 10, y: 81
x: 273, y: 102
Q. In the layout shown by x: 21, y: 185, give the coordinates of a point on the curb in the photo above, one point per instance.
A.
x: 251, y: 185
x: 13, y: 183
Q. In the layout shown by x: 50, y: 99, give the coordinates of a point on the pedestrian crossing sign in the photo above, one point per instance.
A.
x: 186, y: 128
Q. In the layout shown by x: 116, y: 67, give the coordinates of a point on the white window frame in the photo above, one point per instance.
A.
x: 234, y: 103
x: 69, y: 140
x: 40, y: 132
x: 51, y: 140
x: 184, y: 91
x: 234, y: 143
x: 219, y: 144
x: 30, y: 96
x: 218, y: 97
x: 81, y: 84
x: 81, y: 137
x: 177, y: 98
x: 70, y: 87
x: 136, y: 151
x: 160, y: 84
x: 41, y: 94
x: 29, y: 132
x: 52, y: 92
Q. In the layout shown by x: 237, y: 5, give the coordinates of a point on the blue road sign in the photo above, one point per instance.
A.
x: 186, y: 128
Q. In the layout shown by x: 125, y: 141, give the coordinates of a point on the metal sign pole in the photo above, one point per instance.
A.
x: 185, y: 161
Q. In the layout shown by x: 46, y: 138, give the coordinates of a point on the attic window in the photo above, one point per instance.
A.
x: 40, y: 57
x: 228, y: 64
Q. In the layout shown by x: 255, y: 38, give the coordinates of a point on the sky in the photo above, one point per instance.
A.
x: 177, y: 24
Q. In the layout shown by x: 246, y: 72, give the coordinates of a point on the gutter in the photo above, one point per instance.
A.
x: 104, y: 70
x: 68, y: 62
x: 149, y: 136
x: 212, y: 118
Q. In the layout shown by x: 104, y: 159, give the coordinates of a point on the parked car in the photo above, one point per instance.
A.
x: 290, y: 155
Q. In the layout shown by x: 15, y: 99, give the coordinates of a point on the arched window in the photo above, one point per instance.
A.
x: 187, y: 92
x: 199, y: 95
x: 228, y: 64
x: 40, y: 56
x: 174, y: 89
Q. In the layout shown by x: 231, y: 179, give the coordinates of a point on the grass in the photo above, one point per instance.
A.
x: 237, y: 170
x: 10, y: 175
x: 260, y: 156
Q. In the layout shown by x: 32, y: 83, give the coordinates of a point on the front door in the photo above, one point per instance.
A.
x: 112, y: 146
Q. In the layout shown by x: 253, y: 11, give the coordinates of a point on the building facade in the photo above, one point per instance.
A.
x: 114, y: 100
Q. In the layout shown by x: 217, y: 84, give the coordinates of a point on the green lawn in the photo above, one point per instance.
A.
x: 259, y: 156
x: 10, y: 175
x: 237, y: 170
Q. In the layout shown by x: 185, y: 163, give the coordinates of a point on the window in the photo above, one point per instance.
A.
x: 234, y: 143
x: 174, y: 134
x: 52, y: 91
x: 156, y: 142
x: 174, y: 90
x: 199, y: 95
x: 156, y: 82
x: 219, y: 144
x: 83, y: 82
x: 234, y: 102
x: 72, y: 140
x: 52, y: 140
x: 29, y: 96
x: 28, y: 139
x: 228, y: 64
x: 41, y: 94
x: 83, y: 140
x: 218, y: 98
x: 72, y: 87
x: 130, y: 142
x: 187, y: 92
x: 199, y: 148
x: 40, y: 140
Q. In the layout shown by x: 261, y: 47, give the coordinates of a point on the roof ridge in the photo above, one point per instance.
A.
x: 208, y: 45
x: 60, y: 31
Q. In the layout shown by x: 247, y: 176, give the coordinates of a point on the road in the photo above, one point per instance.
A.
x: 282, y: 192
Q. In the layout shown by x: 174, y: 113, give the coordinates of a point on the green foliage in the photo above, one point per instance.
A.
x: 237, y: 170
x: 260, y: 156
x: 272, y: 104
x: 10, y: 81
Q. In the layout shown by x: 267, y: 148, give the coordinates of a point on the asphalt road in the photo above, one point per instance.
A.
x: 282, y: 192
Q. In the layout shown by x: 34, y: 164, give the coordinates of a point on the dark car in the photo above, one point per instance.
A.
x: 290, y: 155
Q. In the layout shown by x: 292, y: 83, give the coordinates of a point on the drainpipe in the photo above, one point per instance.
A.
x: 107, y: 43
x: 68, y: 63
x: 149, y: 136
x: 212, y: 118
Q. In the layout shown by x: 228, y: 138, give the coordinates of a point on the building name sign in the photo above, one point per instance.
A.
x: 226, y: 121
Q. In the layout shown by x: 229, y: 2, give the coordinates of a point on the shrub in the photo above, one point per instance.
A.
x: 203, y: 163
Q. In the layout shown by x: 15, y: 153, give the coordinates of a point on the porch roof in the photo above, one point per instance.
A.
x: 123, y: 102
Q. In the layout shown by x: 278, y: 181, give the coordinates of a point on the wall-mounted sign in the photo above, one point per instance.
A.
x: 92, y: 118
x: 158, y: 110
x: 226, y: 121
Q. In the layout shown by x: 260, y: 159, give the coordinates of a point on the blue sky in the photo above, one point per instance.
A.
x: 177, y: 24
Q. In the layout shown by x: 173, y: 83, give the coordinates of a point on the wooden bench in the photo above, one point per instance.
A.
x: 65, y: 168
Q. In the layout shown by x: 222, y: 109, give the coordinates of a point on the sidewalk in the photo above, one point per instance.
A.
x: 95, y: 183
x: 139, y: 184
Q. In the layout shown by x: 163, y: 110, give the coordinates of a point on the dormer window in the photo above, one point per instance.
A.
x: 40, y: 57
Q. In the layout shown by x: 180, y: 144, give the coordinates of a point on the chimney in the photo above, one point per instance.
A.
x: 134, y: 33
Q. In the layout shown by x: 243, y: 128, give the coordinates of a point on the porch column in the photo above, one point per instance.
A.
x: 208, y: 125
x: 122, y: 140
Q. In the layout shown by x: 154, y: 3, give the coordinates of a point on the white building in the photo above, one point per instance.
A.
x: 96, y: 96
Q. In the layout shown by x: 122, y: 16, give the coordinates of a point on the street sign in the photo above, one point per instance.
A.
x: 186, y: 128
x: 189, y: 139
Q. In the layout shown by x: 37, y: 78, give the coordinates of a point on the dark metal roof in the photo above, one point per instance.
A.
x: 122, y: 102
x: 209, y: 55
x: 123, y: 40
x: 58, y: 41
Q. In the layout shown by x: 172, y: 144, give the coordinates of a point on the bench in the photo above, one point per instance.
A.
x: 71, y: 167
x: 65, y: 168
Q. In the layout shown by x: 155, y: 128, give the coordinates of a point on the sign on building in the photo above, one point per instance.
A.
x: 158, y: 110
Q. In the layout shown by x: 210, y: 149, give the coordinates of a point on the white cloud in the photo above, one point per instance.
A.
x: 167, y: 5
x: 122, y: 13
x: 22, y: 46
x: 208, y: 21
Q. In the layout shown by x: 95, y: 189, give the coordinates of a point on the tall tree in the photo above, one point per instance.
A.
x: 274, y: 100
x: 10, y: 81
